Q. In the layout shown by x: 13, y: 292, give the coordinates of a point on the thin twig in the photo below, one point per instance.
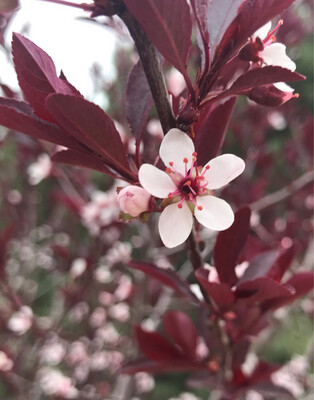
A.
x: 283, y: 193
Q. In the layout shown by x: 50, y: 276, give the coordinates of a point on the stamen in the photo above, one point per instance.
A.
x: 191, y: 198
x: 174, y: 193
x: 188, y: 183
x: 270, y: 35
x: 180, y: 205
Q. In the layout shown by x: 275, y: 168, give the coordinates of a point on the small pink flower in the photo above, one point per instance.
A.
x: 189, y: 189
x: 133, y: 200
x: 273, y: 53
x: 39, y: 170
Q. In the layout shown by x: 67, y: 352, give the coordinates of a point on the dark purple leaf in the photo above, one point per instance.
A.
x: 229, y: 244
x: 220, y: 15
x: 261, y: 289
x: 262, y: 76
x: 262, y: 372
x: 252, y: 15
x: 37, y: 75
x: 269, y: 96
x: 167, y: 277
x: 138, y: 100
x: 260, y: 265
x: 211, y: 133
x: 8, y: 5
x: 221, y: 293
x: 153, y: 367
x: 168, y: 25
x: 282, y: 263
x: 5, y: 237
x: 80, y: 159
x: 302, y: 283
x: 181, y: 330
x: 18, y: 116
x: 90, y: 125
x: 156, y: 347
x: 270, y: 390
x: 200, y: 9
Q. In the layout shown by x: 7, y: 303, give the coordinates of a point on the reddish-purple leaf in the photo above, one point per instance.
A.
x: 37, y: 75
x: 138, y: 100
x: 8, y: 5
x: 220, y: 15
x: 90, y: 125
x: 270, y: 390
x: 229, y: 244
x: 200, y: 9
x: 221, y: 293
x: 211, y: 133
x: 156, y: 347
x: 262, y: 76
x: 269, y: 96
x: 182, y: 331
x: 5, y: 237
x: 168, y: 25
x: 80, y: 159
x: 153, y: 367
x: 259, y: 266
x: 302, y: 283
x: 261, y: 289
x: 252, y: 15
x: 282, y: 263
x: 18, y: 116
x: 262, y: 372
x: 167, y: 277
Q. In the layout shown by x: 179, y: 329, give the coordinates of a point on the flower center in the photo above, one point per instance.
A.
x: 191, y: 184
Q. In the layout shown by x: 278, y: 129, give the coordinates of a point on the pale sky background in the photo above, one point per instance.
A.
x: 74, y: 45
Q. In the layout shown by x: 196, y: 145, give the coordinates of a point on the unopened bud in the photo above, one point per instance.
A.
x: 133, y: 200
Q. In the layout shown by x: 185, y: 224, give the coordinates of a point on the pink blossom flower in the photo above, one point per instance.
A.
x: 133, y: 200
x: 21, y: 320
x: 187, y: 189
x: 6, y: 364
x: 39, y: 170
x: 273, y: 53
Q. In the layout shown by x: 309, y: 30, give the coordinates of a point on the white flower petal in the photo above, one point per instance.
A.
x: 176, y: 146
x: 175, y: 224
x: 216, y: 213
x: 222, y: 170
x: 263, y: 31
x: 283, y: 87
x: 275, y: 54
x: 155, y: 181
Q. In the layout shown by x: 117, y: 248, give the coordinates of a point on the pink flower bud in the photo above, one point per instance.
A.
x: 133, y: 200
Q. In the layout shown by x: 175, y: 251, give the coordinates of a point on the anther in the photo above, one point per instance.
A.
x: 200, y: 208
x: 194, y: 154
x: 185, y: 160
x: 168, y: 170
x: 207, y: 166
x: 171, y: 163
x: 188, y: 183
x: 180, y: 205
